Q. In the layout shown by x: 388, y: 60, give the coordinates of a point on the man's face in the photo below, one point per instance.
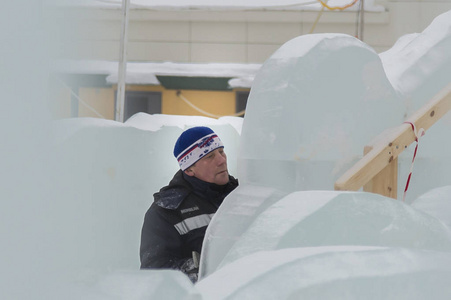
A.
x: 211, y: 168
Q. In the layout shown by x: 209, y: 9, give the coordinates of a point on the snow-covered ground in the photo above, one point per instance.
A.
x: 74, y: 192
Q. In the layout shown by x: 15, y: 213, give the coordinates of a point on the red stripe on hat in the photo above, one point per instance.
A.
x: 196, y: 146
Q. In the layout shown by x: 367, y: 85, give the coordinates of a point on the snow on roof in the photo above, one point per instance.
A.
x: 222, y: 4
x: 145, y: 72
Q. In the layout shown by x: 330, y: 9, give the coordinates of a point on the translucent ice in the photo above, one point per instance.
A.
x: 320, y: 218
x: 254, y: 219
x: 140, y: 285
x: 437, y: 203
x: 105, y: 176
x: 338, y: 272
x: 72, y: 206
x: 313, y: 106
x: 418, y: 67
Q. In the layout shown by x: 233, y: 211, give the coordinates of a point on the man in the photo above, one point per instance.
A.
x: 174, y: 226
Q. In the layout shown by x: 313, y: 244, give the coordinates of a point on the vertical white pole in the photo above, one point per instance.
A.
x: 120, y: 97
x: 362, y: 10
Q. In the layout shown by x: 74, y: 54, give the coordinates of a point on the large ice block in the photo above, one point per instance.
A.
x: 105, y: 176
x: 313, y: 106
x: 437, y: 203
x: 419, y: 66
x: 338, y: 272
x: 323, y: 218
x: 138, y: 285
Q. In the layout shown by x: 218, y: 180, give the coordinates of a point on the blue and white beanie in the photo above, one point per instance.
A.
x: 195, y: 143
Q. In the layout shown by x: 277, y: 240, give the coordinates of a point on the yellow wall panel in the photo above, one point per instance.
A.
x: 99, y: 99
x: 102, y: 100
x: 220, y: 103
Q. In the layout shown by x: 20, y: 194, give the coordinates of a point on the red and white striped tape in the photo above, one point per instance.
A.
x: 418, y: 134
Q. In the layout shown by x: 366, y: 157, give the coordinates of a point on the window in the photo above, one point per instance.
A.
x: 141, y: 101
x: 241, y: 101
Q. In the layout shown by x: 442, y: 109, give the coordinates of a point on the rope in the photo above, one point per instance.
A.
x: 337, y: 7
x: 418, y: 134
x: 179, y: 94
x: 317, y: 18
x: 80, y: 100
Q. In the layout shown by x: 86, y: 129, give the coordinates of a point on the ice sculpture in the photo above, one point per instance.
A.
x: 105, y: 176
x: 325, y: 218
x: 141, y: 285
x: 314, y: 105
x: 337, y: 272
x: 72, y: 207
x: 437, y: 203
x: 419, y: 66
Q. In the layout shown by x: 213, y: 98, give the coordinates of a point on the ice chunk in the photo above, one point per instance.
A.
x: 313, y: 106
x: 339, y: 272
x: 418, y: 67
x: 140, y: 285
x: 235, y: 214
x: 437, y: 203
x: 105, y: 176
x: 320, y: 218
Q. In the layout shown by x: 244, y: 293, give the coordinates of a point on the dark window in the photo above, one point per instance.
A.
x: 141, y: 101
x: 241, y: 101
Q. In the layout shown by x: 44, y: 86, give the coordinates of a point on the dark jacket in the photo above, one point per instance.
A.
x: 175, y: 224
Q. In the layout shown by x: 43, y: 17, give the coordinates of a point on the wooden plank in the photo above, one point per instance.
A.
x: 391, y: 145
x: 386, y: 181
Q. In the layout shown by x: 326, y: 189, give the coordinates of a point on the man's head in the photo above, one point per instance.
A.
x: 200, y: 153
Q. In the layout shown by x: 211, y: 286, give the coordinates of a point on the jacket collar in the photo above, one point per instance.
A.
x: 181, y: 185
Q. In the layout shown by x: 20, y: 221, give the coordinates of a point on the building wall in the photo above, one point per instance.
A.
x: 229, y: 36
x: 216, y: 103
x: 100, y: 102
x: 96, y: 101
x: 212, y: 36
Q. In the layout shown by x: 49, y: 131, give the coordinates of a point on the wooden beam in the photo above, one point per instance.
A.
x: 391, y: 145
x: 385, y: 183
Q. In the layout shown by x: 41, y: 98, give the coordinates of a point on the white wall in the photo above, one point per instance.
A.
x: 229, y: 36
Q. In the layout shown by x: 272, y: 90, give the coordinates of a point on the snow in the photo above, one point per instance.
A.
x: 145, y: 72
x: 74, y: 192
x: 370, y: 5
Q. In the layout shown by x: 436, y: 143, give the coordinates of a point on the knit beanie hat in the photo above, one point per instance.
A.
x: 195, y: 143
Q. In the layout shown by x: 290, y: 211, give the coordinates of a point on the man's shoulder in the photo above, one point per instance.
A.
x: 171, y: 196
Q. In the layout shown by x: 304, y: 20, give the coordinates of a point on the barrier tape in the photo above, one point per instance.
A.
x: 418, y: 134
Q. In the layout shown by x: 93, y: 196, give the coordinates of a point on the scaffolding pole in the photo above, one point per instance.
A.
x: 360, y: 32
x: 120, y: 96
